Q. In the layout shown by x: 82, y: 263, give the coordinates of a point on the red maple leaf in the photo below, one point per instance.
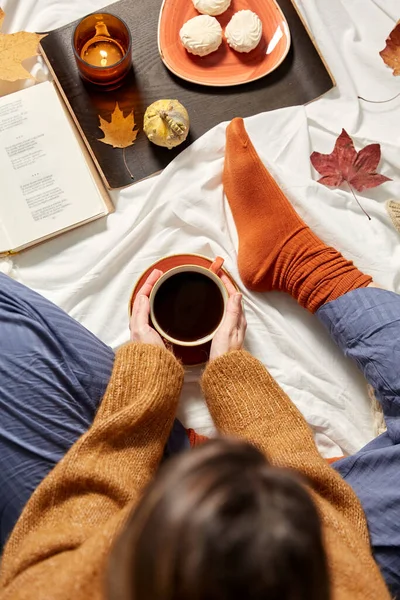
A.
x: 344, y: 163
x: 391, y: 52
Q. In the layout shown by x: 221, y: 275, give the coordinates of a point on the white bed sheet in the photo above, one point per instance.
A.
x: 90, y: 271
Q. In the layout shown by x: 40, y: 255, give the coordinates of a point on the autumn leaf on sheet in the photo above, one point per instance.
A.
x: 345, y: 164
x: 119, y: 132
x: 391, y: 52
x: 14, y: 49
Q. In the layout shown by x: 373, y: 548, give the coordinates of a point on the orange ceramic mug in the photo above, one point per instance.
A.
x: 188, y: 304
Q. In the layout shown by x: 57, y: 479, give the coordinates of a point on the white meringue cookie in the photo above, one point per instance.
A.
x: 201, y: 35
x: 243, y: 32
x: 212, y: 7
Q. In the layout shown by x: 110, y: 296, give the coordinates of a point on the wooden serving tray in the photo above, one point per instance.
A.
x: 301, y: 77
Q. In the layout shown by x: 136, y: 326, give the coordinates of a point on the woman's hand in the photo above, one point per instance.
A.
x: 230, y: 335
x: 141, y: 331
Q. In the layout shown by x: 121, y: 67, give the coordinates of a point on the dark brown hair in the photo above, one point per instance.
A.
x: 219, y: 523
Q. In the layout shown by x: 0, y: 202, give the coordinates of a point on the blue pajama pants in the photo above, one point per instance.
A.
x: 53, y: 374
x: 365, y: 324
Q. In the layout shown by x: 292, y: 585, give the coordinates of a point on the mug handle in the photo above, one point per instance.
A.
x: 216, y: 265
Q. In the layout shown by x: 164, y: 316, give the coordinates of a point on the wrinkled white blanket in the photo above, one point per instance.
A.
x: 90, y: 271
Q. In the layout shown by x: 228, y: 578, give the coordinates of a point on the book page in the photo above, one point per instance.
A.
x: 45, y: 183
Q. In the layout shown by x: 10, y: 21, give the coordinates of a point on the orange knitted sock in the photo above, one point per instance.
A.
x: 277, y: 250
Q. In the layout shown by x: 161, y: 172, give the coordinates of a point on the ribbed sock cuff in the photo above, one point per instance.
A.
x: 352, y: 280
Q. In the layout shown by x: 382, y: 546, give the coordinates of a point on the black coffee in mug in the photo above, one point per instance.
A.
x: 188, y: 306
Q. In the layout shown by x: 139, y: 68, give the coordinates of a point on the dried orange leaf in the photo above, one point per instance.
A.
x: 14, y: 48
x: 118, y: 133
x: 391, y: 52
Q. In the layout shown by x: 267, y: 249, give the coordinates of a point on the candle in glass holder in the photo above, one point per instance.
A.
x: 102, y: 45
x: 102, y: 53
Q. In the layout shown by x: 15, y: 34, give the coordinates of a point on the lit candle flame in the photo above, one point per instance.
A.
x: 103, y: 55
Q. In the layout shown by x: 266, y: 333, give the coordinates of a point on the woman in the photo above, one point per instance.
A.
x: 61, y: 544
x: 221, y: 522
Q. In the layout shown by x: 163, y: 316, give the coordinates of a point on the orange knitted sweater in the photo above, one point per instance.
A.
x: 58, y: 549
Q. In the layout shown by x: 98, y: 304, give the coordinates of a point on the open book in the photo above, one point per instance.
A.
x: 48, y: 183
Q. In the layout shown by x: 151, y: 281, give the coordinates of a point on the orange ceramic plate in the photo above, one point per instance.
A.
x: 225, y: 66
x: 189, y: 355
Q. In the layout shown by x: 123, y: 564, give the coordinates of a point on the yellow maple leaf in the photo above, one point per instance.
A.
x: 14, y: 48
x: 118, y: 133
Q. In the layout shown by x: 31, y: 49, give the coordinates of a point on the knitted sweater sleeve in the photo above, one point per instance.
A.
x: 59, y: 546
x: 245, y: 401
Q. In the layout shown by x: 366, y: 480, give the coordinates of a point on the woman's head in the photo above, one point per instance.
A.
x: 220, y: 523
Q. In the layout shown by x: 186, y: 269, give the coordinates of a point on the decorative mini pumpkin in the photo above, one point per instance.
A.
x: 166, y: 123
